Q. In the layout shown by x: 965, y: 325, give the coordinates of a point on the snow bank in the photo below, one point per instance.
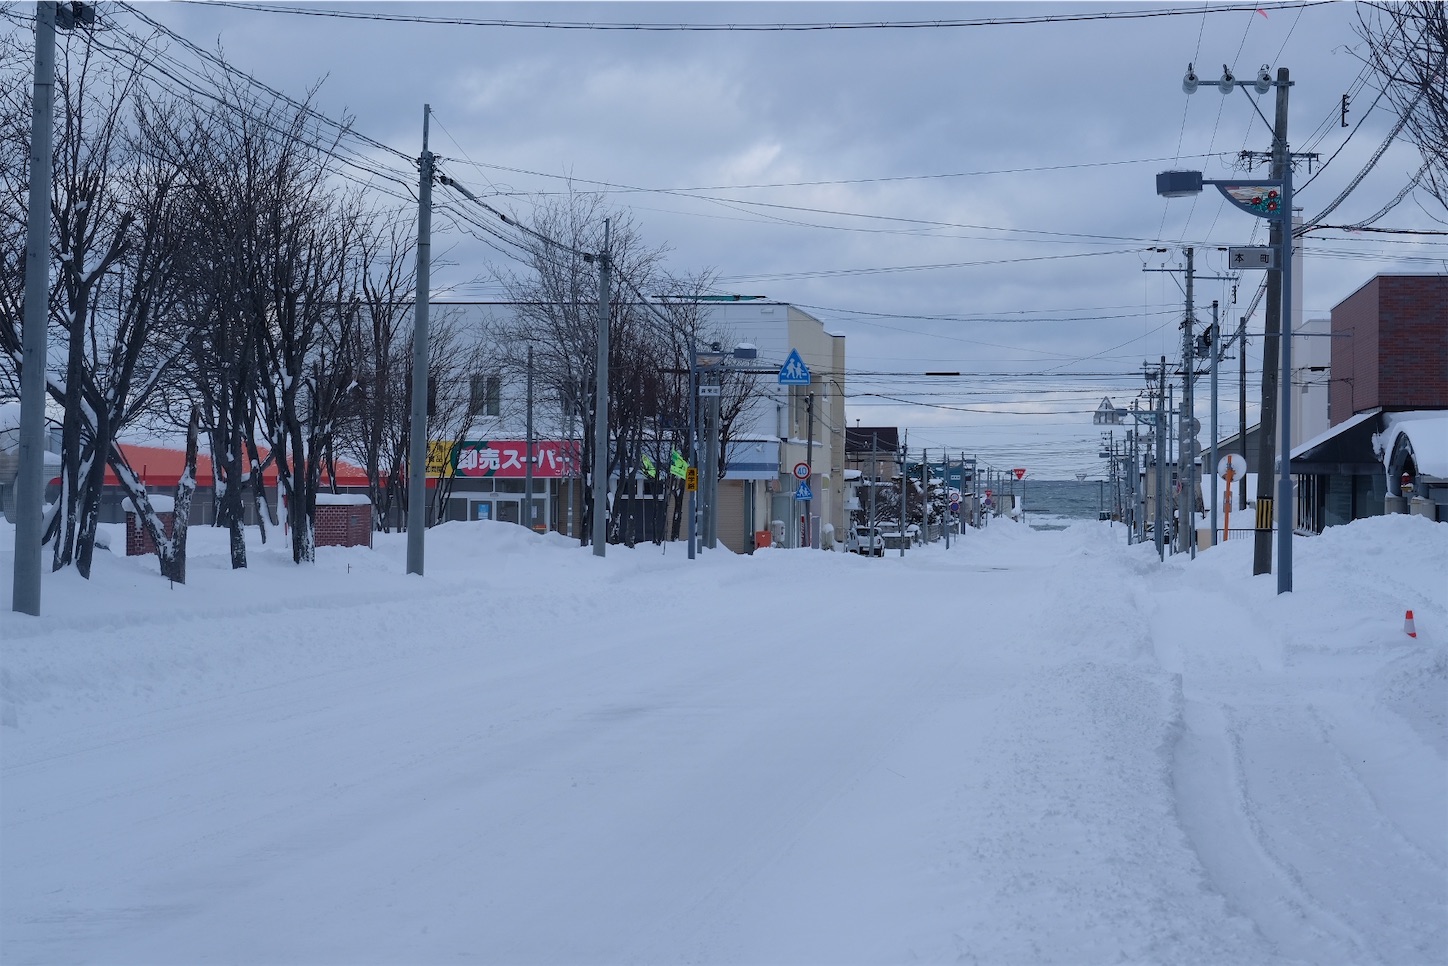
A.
x: 1040, y: 746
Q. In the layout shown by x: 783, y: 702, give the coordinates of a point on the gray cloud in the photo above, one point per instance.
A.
x: 677, y: 110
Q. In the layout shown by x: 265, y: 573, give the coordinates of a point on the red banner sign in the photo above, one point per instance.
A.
x: 508, y: 459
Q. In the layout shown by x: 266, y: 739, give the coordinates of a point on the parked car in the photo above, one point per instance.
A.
x: 866, y: 540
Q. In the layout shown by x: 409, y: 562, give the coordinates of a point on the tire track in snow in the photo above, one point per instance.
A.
x: 1265, y: 794
x: 1212, y: 804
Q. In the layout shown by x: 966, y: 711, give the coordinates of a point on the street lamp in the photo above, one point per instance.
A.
x: 1269, y: 198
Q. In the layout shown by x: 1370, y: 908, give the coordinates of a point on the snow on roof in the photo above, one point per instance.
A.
x: 343, y: 499
x: 1427, y: 431
x: 159, y: 502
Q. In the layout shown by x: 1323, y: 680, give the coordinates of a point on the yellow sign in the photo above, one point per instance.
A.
x: 440, y: 457
x: 691, y: 480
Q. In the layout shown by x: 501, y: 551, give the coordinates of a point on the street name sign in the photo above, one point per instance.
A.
x: 1252, y: 257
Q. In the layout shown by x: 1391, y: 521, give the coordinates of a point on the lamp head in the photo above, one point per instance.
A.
x: 1190, y: 81
x: 1179, y: 184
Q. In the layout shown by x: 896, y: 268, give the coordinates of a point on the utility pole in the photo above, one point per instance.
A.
x: 1186, y: 452
x: 1138, y: 483
x: 1214, y: 343
x: 809, y: 461
x: 1187, y: 504
x: 874, y: 485
x: 1173, y: 492
x: 691, y: 446
x: 417, y: 429
x: 1160, y: 488
x: 600, y: 402
x: 925, y: 493
x: 1242, y: 404
x: 904, y: 491
x: 711, y: 460
x: 1276, y: 332
x: 528, y: 466
x: 30, y: 481
x: 948, y: 522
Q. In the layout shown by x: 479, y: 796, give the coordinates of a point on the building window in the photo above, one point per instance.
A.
x: 485, y: 395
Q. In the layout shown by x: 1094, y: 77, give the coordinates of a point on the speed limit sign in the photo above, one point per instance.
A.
x: 801, y: 471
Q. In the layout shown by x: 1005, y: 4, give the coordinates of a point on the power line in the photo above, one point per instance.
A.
x: 801, y: 27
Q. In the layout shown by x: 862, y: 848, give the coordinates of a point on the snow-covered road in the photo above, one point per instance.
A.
x: 1037, y: 747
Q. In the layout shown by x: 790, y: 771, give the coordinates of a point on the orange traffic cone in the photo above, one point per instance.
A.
x: 1408, y: 627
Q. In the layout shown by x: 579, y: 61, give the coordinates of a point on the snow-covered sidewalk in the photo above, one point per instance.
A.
x: 1038, y: 747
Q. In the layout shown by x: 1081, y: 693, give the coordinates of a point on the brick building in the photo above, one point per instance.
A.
x: 1390, y: 347
x: 1387, y: 407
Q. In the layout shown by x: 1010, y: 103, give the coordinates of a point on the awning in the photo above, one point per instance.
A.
x: 1345, y: 449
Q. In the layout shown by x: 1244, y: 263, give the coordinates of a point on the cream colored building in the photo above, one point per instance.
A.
x: 758, y: 488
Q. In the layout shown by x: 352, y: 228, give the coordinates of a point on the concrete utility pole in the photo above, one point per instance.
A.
x: 711, y: 460
x: 30, y: 482
x: 1160, y: 488
x: 809, y: 461
x: 874, y: 485
x: 1186, y: 459
x: 1273, y: 343
x: 1214, y: 343
x: 925, y: 494
x: 904, y: 492
x: 691, y: 446
x: 417, y: 427
x: 600, y: 415
x: 528, y: 465
x: 1242, y: 404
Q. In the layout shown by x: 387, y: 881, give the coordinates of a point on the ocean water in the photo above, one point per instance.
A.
x: 1056, y: 504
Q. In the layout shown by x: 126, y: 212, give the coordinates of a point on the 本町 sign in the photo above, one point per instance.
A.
x: 473, y: 459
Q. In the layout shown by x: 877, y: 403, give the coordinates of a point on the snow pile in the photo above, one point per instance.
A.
x: 1039, y: 746
x: 1428, y: 432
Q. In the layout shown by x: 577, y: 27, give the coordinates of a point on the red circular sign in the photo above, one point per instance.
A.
x: 801, y: 471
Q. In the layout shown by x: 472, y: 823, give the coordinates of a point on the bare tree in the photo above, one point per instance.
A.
x: 112, y: 305
x: 376, y: 432
x: 272, y: 269
x: 455, y: 355
x: 1408, y: 49
x: 556, y: 310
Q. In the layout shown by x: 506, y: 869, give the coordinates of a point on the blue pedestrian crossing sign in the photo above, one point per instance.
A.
x: 802, y: 492
x: 794, y: 372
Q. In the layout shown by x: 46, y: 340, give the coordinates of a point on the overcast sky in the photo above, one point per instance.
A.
x: 976, y: 198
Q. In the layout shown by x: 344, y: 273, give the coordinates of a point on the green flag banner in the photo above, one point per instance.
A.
x: 679, y: 467
x: 649, y: 468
